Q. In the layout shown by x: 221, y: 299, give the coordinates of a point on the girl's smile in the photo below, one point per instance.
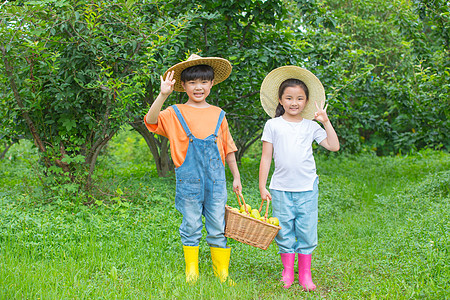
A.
x: 293, y: 101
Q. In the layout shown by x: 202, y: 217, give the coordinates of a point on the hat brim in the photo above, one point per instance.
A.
x: 273, y: 80
x: 222, y: 69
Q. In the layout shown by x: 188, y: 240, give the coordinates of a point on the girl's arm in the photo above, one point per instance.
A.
x: 331, y: 142
x: 264, y: 168
x: 231, y: 162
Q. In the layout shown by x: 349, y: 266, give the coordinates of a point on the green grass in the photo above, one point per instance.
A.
x: 383, y: 233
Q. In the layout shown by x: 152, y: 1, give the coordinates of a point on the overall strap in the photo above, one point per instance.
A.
x: 182, y: 121
x: 219, y: 122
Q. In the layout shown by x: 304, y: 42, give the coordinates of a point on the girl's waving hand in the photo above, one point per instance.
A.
x: 331, y: 142
x: 321, y: 113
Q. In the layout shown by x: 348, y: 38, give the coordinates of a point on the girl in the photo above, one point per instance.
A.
x: 293, y: 96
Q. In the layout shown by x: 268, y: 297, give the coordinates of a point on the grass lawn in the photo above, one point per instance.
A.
x: 383, y: 233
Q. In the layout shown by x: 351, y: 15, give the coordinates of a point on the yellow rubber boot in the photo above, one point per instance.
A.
x: 191, y: 260
x: 221, y: 260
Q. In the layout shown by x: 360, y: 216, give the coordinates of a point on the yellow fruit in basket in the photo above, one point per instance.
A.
x: 234, y: 209
x: 249, y: 208
x: 245, y: 213
x: 274, y: 221
x: 255, y: 214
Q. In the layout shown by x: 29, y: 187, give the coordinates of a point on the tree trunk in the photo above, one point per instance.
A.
x: 244, y: 147
x: 158, y: 148
x: 7, y: 146
x: 9, y: 72
x: 94, y: 153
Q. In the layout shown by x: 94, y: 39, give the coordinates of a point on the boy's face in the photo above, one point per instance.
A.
x: 197, y: 90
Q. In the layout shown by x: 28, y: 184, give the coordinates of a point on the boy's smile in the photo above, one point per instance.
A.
x: 197, y: 91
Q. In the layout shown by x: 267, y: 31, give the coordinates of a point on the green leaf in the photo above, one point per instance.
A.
x: 69, y: 124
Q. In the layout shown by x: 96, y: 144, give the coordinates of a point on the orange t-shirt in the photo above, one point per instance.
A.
x: 201, y: 121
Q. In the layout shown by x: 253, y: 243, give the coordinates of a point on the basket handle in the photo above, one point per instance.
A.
x: 267, y: 208
x: 239, y: 196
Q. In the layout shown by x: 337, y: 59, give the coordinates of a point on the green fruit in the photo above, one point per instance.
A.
x: 255, y: 214
x: 274, y: 221
x: 234, y: 209
x: 249, y: 208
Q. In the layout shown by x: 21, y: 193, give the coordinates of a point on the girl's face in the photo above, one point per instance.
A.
x: 293, y: 101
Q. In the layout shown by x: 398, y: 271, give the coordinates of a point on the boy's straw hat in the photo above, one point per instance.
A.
x: 273, y: 80
x: 221, y: 66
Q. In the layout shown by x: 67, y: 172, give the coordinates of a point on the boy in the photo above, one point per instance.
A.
x: 200, y: 143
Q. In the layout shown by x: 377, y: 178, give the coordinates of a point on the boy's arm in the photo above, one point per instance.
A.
x: 231, y: 161
x: 166, y: 90
x: 332, y: 141
x: 264, y: 167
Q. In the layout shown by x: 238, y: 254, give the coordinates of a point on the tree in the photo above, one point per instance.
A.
x: 385, y: 79
x: 435, y: 15
x: 255, y: 38
x: 77, y: 71
x: 8, y: 136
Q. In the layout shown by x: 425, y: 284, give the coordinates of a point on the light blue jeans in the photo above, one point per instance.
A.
x: 298, y: 216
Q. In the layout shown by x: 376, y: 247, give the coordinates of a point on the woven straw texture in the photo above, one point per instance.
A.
x: 273, y: 80
x: 222, y: 69
x: 248, y: 230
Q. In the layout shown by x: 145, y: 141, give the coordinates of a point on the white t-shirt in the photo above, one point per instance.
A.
x: 295, y: 168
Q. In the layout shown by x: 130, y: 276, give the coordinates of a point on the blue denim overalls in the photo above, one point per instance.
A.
x: 201, y: 189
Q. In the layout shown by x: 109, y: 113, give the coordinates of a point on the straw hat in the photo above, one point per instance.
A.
x: 273, y: 80
x: 221, y: 66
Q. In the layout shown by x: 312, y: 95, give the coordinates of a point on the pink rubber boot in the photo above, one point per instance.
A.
x: 288, y: 260
x: 304, y: 272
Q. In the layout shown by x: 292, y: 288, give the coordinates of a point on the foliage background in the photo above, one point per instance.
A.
x: 86, y: 196
x: 73, y: 73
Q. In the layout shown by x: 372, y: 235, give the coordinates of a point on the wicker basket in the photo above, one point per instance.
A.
x: 249, y: 230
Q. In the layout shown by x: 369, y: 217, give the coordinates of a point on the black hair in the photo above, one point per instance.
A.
x: 203, y: 72
x: 292, y: 82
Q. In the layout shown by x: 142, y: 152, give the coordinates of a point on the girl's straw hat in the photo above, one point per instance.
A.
x: 273, y: 80
x: 221, y: 66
